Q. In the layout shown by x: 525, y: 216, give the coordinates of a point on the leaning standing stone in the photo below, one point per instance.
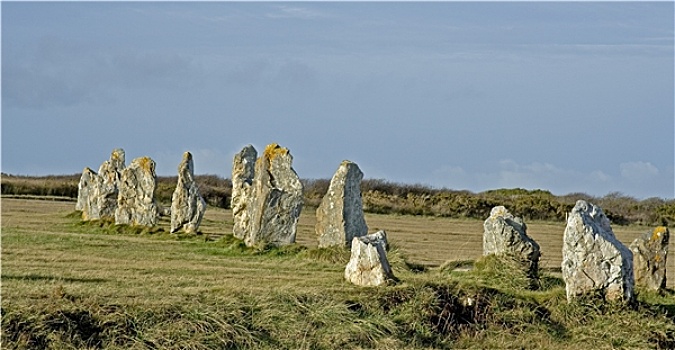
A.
x: 136, y: 202
x: 277, y: 199
x: 87, y: 195
x: 243, y: 168
x: 368, y: 265
x: 339, y: 218
x: 110, y: 173
x: 650, y: 252
x: 507, y: 235
x: 594, y: 261
x: 187, y: 205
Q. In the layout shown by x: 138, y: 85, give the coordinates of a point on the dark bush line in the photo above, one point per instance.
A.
x: 385, y: 197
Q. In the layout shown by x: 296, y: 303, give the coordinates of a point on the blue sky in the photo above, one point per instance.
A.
x: 565, y: 96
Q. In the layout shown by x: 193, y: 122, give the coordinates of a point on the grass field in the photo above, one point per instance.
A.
x: 66, y: 284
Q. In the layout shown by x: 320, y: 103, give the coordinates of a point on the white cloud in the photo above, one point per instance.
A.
x: 638, y: 171
x: 295, y: 12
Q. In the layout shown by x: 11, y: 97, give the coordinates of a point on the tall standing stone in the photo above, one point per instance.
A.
x: 368, y: 265
x: 277, y: 199
x: 110, y: 173
x: 507, y: 235
x: 187, y: 205
x: 650, y: 253
x: 136, y: 202
x: 339, y: 217
x: 594, y: 261
x: 87, y: 195
x: 243, y: 169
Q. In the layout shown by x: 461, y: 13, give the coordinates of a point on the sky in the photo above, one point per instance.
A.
x: 562, y: 96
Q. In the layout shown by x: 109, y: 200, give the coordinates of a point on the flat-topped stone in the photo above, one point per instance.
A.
x: 368, y: 265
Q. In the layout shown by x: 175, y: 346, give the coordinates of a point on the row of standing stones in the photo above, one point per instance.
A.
x: 267, y: 198
x: 127, y: 194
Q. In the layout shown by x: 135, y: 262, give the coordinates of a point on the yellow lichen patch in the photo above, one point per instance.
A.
x: 273, y: 150
x: 346, y: 162
x: 187, y: 155
x: 116, y: 154
x: 146, y: 164
x: 658, y: 232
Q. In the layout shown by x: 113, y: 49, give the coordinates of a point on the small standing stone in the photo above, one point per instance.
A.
x: 368, y: 265
x: 136, y: 202
x: 243, y: 169
x: 340, y: 215
x: 507, y: 235
x: 87, y: 195
x: 594, y: 261
x: 650, y: 252
x: 187, y: 205
x: 277, y: 199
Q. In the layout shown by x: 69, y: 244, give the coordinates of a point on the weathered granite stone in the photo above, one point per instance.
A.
x: 243, y: 168
x: 87, y: 195
x: 277, y: 199
x: 650, y: 252
x: 136, y: 201
x: 594, y: 261
x: 187, y: 205
x: 507, y: 235
x: 110, y: 173
x: 339, y: 217
x: 368, y: 265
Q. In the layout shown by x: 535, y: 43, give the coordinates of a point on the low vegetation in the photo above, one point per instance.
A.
x: 384, y: 197
x: 73, y: 285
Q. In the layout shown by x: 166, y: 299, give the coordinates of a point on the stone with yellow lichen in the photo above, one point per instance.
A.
x: 650, y: 252
x: 277, y: 199
x: 136, y: 203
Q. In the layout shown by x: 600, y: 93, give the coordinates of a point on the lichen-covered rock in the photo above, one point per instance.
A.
x: 650, y: 252
x: 594, y: 261
x: 339, y: 218
x: 136, y: 201
x: 368, y: 265
x: 243, y: 169
x: 110, y: 173
x: 187, y: 205
x: 507, y: 235
x: 277, y: 199
x: 87, y: 195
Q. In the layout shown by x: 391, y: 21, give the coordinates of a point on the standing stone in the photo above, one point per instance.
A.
x: 187, y: 205
x: 243, y: 168
x: 650, y: 252
x: 368, y: 265
x: 594, y: 261
x: 277, y: 199
x: 87, y: 195
x: 136, y: 202
x: 507, y: 235
x: 339, y: 218
x: 110, y: 173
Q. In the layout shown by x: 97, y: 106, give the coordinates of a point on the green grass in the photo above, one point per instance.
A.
x: 73, y: 285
